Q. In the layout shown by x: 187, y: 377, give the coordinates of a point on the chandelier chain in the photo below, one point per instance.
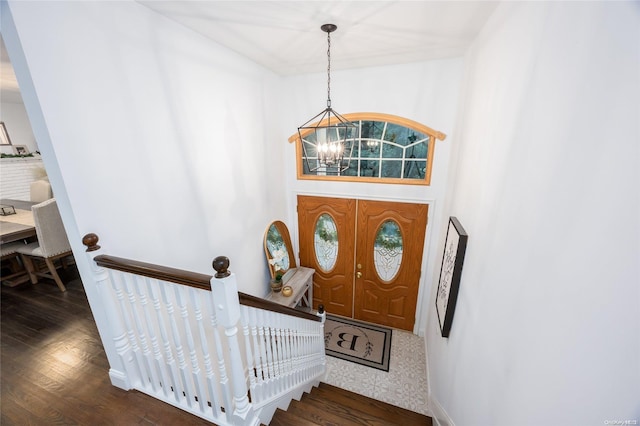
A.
x: 328, y: 69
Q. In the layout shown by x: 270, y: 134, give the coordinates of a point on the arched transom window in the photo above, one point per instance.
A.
x: 384, y: 149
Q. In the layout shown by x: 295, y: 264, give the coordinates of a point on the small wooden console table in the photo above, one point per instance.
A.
x: 302, y: 284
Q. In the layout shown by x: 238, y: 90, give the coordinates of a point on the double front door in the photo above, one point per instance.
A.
x: 367, y: 256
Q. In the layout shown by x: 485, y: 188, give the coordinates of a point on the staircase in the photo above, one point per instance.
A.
x: 329, y: 405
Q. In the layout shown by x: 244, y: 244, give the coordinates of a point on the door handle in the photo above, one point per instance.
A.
x: 359, y: 274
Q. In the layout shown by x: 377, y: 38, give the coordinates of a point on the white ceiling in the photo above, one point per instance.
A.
x: 285, y: 36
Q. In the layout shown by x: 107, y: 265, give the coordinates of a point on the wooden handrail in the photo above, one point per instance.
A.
x: 257, y: 302
x: 193, y: 279
x: 165, y: 273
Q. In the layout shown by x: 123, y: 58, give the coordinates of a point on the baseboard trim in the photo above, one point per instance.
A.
x: 438, y: 414
x: 119, y: 379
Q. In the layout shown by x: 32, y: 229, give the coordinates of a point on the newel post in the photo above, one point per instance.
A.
x: 224, y: 291
x: 321, y: 313
x: 121, y: 379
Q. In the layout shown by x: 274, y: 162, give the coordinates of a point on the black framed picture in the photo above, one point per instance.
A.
x: 20, y: 150
x: 455, y: 246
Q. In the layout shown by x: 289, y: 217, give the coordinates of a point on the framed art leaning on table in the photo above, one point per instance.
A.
x: 455, y: 246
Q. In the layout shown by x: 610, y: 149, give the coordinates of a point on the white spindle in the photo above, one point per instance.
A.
x: 266, y: 341
x: 125, y: 379
x: 198, y: 384
x: 177, y: 344
x: 251, y: 367
x: 116, y: 284
x: 170, y: 368
x: 157, y: 372
x: 209, y: 374
x: 144, y: 355
x: 259, y: 359
x: 224, y: 379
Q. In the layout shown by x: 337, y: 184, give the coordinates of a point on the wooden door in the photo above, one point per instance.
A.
x: 390, y: 242
x: 330, y: 251
x: 367, y: 263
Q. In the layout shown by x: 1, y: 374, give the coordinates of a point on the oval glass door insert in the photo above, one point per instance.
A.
x: 325, y: 241
x: 387, y: 250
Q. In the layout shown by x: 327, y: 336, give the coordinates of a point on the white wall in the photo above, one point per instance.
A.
x: 547, y: 326
x: 426, y: 92
x: 18, y: 127
x: 163, y: 138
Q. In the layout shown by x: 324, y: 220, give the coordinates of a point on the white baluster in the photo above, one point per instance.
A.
x: 124, y: 378
x: 201, y: 394
x: 225, y: 384
x: 144, y: 355
x: 259, y: 357
x: 265, y: 338
x: 116, y: 285
x: 211, y: 386
x: 177, y: 344
x: 251, y: 368
x: 170, y: 364
x: 157, y: 372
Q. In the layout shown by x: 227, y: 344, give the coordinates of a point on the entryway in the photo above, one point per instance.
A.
x: 367, y: 256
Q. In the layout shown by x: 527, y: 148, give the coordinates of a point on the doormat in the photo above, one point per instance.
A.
x: 359, y: 342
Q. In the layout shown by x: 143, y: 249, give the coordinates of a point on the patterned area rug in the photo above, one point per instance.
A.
x: 357, y: 341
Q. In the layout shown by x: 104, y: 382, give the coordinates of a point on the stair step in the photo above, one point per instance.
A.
x: 286, y: 418
x: 329, y: 405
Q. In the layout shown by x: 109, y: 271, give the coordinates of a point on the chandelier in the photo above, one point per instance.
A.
x: 327, y: 139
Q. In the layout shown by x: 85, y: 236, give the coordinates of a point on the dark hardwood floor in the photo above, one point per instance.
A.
x: 53, y: 367
x: 53, y: 371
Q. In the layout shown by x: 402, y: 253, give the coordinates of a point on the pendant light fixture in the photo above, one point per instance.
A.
x: 328, y: 138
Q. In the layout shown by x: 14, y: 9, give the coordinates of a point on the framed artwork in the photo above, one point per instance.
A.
x: 4, y: 136
x: 20, y: 150
x: 455, y: 246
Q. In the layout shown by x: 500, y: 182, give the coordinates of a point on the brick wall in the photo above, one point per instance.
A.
x: 16, y: 175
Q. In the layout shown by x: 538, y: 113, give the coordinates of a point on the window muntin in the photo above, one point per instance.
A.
x: 385, y: 149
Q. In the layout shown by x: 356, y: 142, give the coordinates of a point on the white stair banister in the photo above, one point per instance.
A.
x: 168, y: 329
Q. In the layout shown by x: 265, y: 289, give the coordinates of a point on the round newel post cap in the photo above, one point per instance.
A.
x: 91, y: 241
x: 321, y: 309
x: 221, y: 265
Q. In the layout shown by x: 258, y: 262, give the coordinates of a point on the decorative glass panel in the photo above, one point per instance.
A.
x: 277, y: 249
x: 415, y: 169
x: 391, y: 169
x: 325, y: 242
x: 380, y: 149
x: 387, y: 250
x: 390, y: 150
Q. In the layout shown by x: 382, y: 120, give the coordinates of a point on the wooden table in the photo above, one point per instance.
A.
x: 302, y: 284
x: 17, y: 226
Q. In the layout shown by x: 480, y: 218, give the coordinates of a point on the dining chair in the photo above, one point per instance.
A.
x: 40, y: 190
x: 9, y: 260
x: 52, y: 243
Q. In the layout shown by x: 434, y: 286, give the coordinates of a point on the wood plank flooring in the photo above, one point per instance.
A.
x: 54, y: 370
